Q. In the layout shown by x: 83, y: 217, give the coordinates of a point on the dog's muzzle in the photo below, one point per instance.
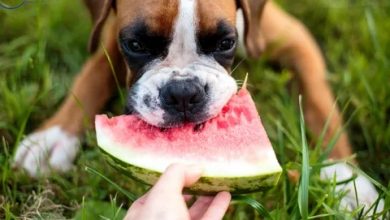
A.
x: 184, y: 100
x: 170, y: 97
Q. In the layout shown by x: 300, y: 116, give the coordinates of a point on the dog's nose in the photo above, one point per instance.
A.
x: 183, y: 95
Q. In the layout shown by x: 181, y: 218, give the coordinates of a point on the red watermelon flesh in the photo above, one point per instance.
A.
x: 232, y: 147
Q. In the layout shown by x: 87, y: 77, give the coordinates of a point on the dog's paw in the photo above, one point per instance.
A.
x: 365, y: 193
x: 43, y: 151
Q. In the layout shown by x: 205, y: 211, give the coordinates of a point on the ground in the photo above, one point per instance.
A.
x: 43, y: 45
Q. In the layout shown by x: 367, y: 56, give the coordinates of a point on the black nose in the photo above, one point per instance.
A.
x: 187, y: 96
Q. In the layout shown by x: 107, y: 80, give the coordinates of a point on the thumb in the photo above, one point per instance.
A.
x: 178, y: 176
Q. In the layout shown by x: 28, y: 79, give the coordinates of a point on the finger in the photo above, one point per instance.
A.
x: 136, y: 206
x: 176, y: 177
x: 187, y: 198
x: 169, y: 188
x: 218, y: 207
x: 200, y: 206
x: 131, y: 214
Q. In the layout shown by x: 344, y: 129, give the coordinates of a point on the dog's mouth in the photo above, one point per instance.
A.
x: 197, y: 121
x: 174, y: 120
x: 167, y: 98
x: 173, y: 104
x: 171, y: 121
x: 196, y: 127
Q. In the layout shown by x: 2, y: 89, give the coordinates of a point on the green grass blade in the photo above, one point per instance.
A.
x: 253, y: 203
x: 10, y: 7
x: 336, y: 135
x: 289, y: 136
x: 122, y: 97
x: 373, y: 181
x: 372, y: 30
x: 129, y: 195
x: 374, y: 207
x: 303, y: 190
x: 80, y: 105
x: 325, y: 128
x: 321, y: 216
x: 22, y: 128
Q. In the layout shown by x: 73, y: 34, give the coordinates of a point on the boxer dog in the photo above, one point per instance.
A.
x: 176, y: 56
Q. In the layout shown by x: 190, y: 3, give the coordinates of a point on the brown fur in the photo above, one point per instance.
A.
x: 210, y: 12
x: 289, y: 43
x: 91, y: 89
x: 99, y: 11
x: 284, y: 38
x: 159, y: 15
x: 253, y: 12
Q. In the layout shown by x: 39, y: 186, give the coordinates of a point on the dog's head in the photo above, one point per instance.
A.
x: 179, y: 53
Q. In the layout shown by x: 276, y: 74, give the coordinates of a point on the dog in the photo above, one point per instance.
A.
x: 175, y: 56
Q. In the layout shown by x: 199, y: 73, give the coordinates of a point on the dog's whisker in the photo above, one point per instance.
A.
x: 244, y: 85
x: 238, y: 64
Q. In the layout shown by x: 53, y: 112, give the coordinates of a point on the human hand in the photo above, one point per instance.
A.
x: 165, y: 199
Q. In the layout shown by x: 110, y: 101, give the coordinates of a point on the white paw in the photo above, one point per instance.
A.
x: 43, y: 151
x: 365, y: 190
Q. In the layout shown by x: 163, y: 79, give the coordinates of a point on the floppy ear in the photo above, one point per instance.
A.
x: 99, y: 9
x: 252, y: 11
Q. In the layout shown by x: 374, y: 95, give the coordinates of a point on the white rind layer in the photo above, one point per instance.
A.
x: 223, y: 168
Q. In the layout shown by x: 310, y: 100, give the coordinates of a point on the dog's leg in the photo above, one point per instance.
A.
x: 55, y: 144
x: 291, y: 44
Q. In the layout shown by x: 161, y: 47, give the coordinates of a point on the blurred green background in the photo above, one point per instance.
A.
x: 43, y: 45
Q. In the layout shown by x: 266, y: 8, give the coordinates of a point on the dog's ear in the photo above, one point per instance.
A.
x: 252, y: 11
x: 99, y: 10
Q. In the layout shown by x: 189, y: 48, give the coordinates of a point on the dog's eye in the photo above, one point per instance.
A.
x: 225, y: 44
x: 135, y: 46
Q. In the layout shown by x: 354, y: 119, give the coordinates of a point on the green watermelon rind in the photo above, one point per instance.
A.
x: 205, y: 185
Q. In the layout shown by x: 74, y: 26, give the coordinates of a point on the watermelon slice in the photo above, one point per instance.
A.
x: 233, y: 148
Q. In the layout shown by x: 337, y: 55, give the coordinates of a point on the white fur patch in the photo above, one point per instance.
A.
x: 49, y: 149
x: 365, y: 190
x: 240, y: 26
x: 182, y: 49
x: 182, y: 62
x: 221, y: 87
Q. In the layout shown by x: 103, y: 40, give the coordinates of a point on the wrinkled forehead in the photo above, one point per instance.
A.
x: 159, y: 16
x: 211, y: 13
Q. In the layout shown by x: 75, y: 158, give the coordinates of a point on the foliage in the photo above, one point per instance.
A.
x: 43, y: 45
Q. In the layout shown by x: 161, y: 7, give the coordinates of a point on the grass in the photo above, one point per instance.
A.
x: 43, y: 45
